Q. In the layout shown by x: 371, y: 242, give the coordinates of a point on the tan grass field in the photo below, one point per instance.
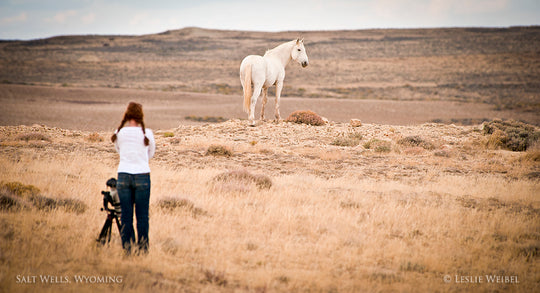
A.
x: 399, y: 204
x: 336, y: 219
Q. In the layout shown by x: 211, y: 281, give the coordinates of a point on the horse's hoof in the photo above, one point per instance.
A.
x: 251, y: 124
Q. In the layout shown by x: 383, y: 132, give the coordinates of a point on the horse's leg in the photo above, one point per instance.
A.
x: 279, y: 87
x: 256, y: 93
x: 265, y: 99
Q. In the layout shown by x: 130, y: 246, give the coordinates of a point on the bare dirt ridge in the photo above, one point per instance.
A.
x: 497, y: 67
x: 330, y: 151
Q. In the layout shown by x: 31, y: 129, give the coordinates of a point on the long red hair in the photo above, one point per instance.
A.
x: 134, y: 111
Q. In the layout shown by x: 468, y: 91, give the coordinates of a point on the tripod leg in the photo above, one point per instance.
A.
x: 118, y: 225
x: 105, y: 231
x: 109, y: 234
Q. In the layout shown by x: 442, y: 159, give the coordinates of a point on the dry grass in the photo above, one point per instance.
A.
x: 364, y: 229
x: 174, y: 205
x: 378, y: 145
x: 350, y: 139
x: 94, y: 137
x: 240, y: 180
x: 33, y: 136
x: 16, y: 196
x: 416, y: 141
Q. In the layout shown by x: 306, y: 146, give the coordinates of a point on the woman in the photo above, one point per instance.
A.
x: 136, y: 147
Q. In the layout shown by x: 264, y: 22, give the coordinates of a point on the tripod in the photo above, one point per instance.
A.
x: 106, y: 231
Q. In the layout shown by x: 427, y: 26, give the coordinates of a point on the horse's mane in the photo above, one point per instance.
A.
x: 270, y: 51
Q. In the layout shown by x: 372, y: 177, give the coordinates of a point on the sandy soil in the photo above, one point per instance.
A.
x: 102, y: 108
x: 497, y: 67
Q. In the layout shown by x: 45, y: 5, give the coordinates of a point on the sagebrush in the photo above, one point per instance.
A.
x: 305, y: 117
x: 510, y: 134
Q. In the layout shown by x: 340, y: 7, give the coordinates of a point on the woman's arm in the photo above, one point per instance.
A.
x: 152, y: 143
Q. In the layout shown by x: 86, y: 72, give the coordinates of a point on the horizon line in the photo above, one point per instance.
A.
x: 277, y: 31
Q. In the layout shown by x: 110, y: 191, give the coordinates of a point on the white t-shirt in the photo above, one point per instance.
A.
x: 134, y: 155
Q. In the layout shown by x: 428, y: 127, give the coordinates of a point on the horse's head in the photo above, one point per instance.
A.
x: 299, y: 54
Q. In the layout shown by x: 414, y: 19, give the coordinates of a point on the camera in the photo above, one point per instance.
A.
x: 111, y: 197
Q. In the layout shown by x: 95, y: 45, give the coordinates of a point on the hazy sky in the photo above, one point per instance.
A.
x: 30, y: 19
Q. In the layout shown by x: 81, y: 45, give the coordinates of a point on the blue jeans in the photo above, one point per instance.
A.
x: 134, y: 189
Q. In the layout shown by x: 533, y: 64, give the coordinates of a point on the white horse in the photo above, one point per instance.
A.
x: 266, y: 71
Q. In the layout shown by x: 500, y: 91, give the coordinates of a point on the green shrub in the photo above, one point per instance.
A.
x: 305, y: 117
x: 511, y: 135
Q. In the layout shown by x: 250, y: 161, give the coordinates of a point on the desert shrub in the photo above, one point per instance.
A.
x: 16, y: 194
x: 209, y: 119
x: 442, y: 153
x: 412, y: 267
x: 530, y: 252
x: 511, y: 135
x: 305, y: 117
x: 33, y: 136
x: 9, y: 201
x: 170, y: 246
x: 239, y: 179
x: 349, y: 139
x: 43, y: 202
x: 535, y: 175
x: 379, y: 146
x: 71, y: 205
x: 416, y: 141
x: 349, y: 204
x: 219, y: 150
x: 216, y: 278
x: 171, y: 204
x: 20, y: 190
x: 168, y: 134
x: 532, y: 156
x: 48, y: 204
x: 94, y: 137
x: 497, y: 139
x: 461, y: 121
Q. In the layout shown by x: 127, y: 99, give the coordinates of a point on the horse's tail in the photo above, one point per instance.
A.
x: 247, y: 89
